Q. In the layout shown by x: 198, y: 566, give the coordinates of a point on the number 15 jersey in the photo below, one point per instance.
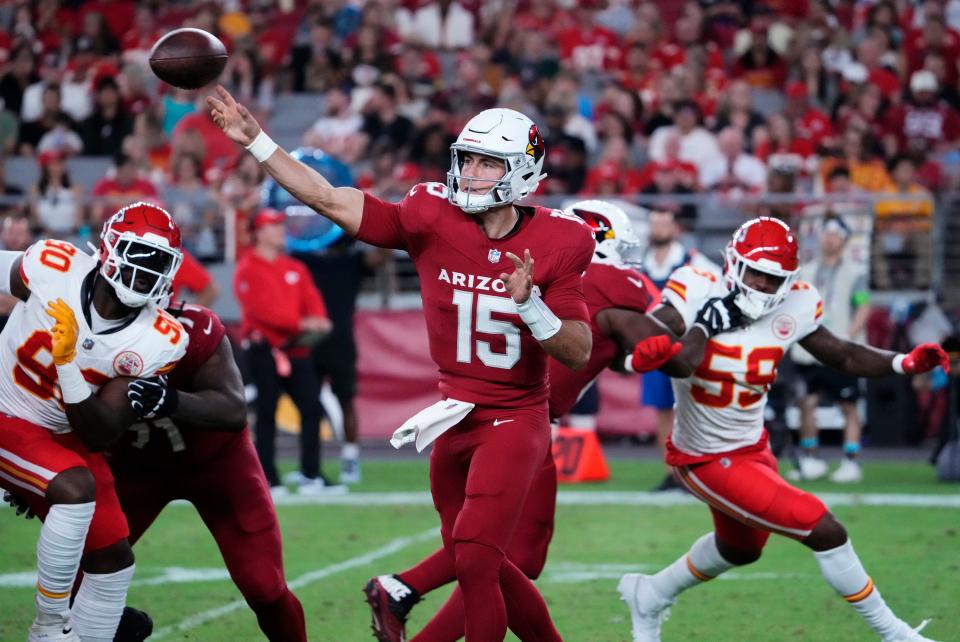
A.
x: 150, y: 342
x: 720, y: 407
x: 484, y: 352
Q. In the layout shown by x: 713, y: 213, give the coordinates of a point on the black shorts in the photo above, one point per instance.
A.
x: 821, y: 380
x: 336, y: 359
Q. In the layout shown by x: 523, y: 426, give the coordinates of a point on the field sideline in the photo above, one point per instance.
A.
x: 904, y: 524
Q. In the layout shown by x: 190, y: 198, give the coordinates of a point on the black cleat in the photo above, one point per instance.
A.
x: 135, y: 626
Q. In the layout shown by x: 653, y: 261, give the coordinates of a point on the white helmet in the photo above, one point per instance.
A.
x: 611, y: 228
x: 505, y: 134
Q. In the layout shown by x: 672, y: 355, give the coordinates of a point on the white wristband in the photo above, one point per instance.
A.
x: 628, y: 363
x: 262, y: 147
x: 73, y: 387
x: 897, y: 363
x: 543, y: 323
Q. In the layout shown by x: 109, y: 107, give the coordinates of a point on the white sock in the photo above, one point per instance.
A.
x: 350, y: 451
x: 99, y: 604
x: 701, y: 564
x: 59, y: 550
x: 843, y: 571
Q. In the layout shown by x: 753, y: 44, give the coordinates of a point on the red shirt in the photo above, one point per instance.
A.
x: 593, y: 49
x: 814, y: 126
x: 191, y: 276
x: 484, y: 352
x: 109, y: 187
x: 605, y: 286
x: 220, y: 150
x: 932, y: 125
x: 274, y: 296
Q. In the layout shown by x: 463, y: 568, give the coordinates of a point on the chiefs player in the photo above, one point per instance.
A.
x: 193, y: 444
x: 718, y: 448
x: 51, y: 422
x: 618, y: 298
x: 490, y: 333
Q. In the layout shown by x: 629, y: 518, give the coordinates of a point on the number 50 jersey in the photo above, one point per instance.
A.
x: 149, y: 343
x: 720, y: 407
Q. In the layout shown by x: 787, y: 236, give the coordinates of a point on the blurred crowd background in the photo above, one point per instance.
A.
x: 712, y: 110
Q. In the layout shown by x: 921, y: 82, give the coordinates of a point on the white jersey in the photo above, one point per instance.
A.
x: 720, y: 407
x: 149, y: 344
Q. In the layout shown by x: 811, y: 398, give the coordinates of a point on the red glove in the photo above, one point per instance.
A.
x: 924, y: 358
x: 652, y: 352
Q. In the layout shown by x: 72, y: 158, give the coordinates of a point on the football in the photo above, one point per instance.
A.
x: 188, y: 58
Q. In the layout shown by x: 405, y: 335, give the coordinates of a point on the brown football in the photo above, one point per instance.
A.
x: 188, y: 58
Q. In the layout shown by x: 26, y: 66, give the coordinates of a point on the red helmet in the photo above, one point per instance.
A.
x: 766, y: 245
x: 140, y: 252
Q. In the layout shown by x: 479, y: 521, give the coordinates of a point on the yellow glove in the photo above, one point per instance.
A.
x: 64, y: 332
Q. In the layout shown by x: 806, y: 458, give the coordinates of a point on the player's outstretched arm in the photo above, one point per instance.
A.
x: 567, y: 340
x: 631, y: 329
x: 10, y: 264
x: 862, y: 360
x: 342, y: 205
x: 215, y: 402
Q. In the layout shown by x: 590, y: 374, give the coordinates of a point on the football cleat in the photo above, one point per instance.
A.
x: 648, y: 611
x: 390, y: 602
x: 59, y: 629
x: 808, y: 469
x: 135, y: 626
x: 912, y: 635
x: 848, y: 472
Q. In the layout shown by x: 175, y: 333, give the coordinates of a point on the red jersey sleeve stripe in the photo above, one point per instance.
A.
x: 677, y: 287
x: 819, y: 312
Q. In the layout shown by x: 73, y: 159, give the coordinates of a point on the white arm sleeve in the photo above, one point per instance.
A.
x: 7, y: 259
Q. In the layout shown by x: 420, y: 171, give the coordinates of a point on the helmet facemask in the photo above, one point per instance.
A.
x: 140, y: 268
x: 510, y: 187
x: 752, y: 302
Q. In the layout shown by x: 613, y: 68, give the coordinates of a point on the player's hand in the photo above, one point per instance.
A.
x: 16, y: 502
x: 652, y: 352
x: 924, y: 358
x: 64, y: 332
x: 232, y: 117
x: 719, y: 314
x: 519, y: 284
x: 152, y: 397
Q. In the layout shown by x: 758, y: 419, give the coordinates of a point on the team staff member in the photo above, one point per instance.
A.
x: 283, y: 314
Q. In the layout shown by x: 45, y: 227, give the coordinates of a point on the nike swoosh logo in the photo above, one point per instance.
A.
x: 66, y: 630
x: 636, y: 282
x: 497, y: 422
x: 209, y: 327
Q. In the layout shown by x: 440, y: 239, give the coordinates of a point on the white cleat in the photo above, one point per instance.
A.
x: 320, y: 486
x: 59, y: 630
x: 648, y: 611
x: 848, y: 472
x: 349, y: 471
x: 810, y: 468
x: 912, y: 635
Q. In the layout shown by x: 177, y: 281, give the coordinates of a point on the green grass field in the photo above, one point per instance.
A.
x: 913, y: 554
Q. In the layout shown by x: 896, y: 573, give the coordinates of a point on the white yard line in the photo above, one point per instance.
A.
x: 394, y: 546
x: 623, y: 498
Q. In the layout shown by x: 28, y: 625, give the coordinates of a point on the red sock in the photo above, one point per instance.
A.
x: 431, y: 573
x: 282, y: 619
x: 526, y: 611
x: 478, y: 573
x: 447, y: 624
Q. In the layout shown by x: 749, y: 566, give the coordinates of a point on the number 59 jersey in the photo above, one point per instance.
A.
x: 720, y: 407
x: 149, y: 343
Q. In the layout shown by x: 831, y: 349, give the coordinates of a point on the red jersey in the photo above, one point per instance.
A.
x: 191, y: 276
x: 484, y: 352
x: 929, y: 125
x: 813, y: 126
x: 605, y: 286
x: 274, y: 296
x: 165, y: 443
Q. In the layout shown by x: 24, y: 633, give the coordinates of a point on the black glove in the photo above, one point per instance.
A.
x: 152, y: 397
x: 19, y: 504
x: 719, y: 315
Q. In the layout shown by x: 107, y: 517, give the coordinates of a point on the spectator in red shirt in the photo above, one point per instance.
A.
x: 587, y: 47
x: 809, y: 123
x: 761, y: 66
x: 924, y: 123
x: 110, y: 194
x: 935, y: 36
x: 192, y: 277
x: 283, y: 317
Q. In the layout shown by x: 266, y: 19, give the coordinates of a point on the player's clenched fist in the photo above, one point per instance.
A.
x: 64, y: 332
x: 924, y: 358
x: 653, y: 352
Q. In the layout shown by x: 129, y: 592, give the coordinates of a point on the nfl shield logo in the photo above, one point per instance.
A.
x: 87, y: 344
x: 493, y: 256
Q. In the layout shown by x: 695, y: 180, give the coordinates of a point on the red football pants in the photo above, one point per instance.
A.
x: 231, y: 495
x: 480, y: 477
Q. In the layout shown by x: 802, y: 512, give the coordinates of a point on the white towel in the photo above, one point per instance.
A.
x: 431, y: 422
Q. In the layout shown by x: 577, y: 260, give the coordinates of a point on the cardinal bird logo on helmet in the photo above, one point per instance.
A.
x: 535, y: 146
x: 602, y: 229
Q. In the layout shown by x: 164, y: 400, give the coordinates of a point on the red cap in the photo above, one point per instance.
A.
x: 268, y: 217
x: 796, y: 89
